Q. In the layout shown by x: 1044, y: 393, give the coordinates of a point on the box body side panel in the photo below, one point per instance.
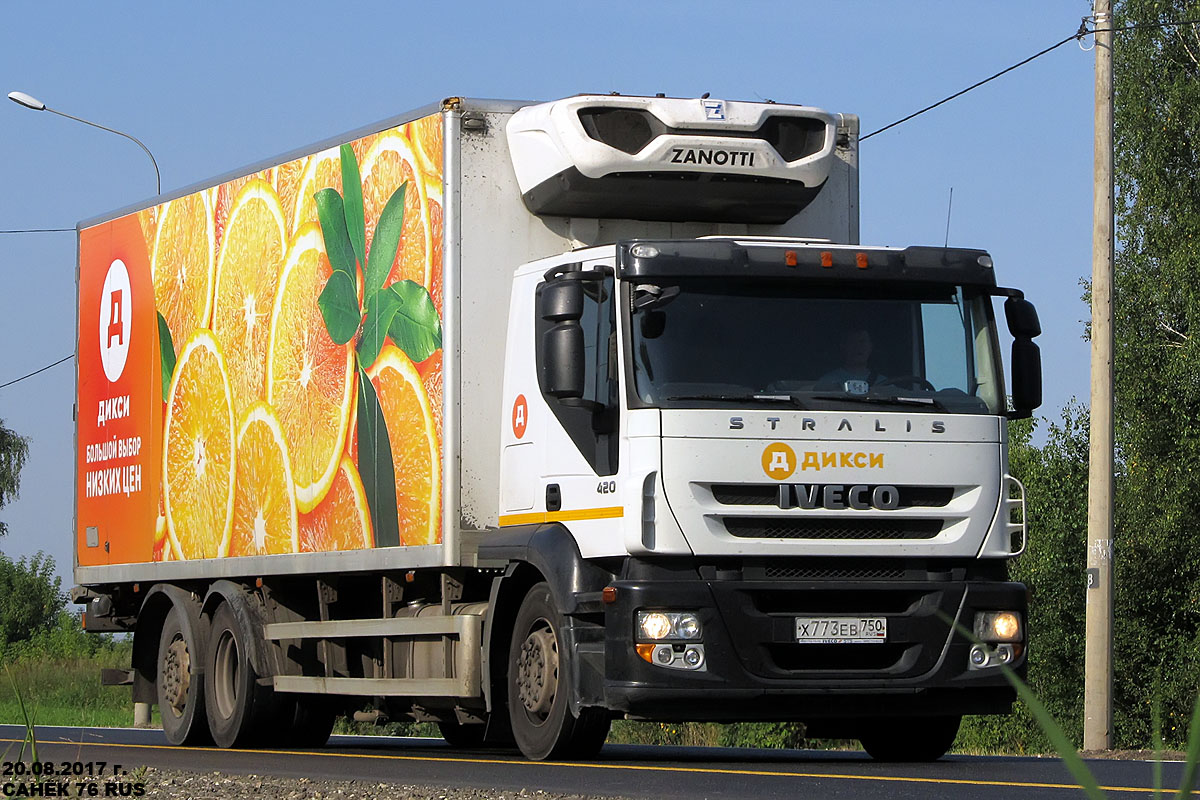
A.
x: 220, y: 422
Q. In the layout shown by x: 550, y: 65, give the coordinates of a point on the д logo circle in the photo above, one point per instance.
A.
x: 116, y: 315
x: 520, y: 416
x: 779, y: 461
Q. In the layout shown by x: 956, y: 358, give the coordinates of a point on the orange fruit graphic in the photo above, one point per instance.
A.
x: 426, y: 135
x: 223, y: 197
x: 148, y: 219
x: 310, y: 380
x: 415, y: 457
x: 286, y: 180
x: 264, y: 502
x: 247, y: 276
x: 433, y: 191
x: 321, y: 171
x: 430, y: 371
x: 160, y: 548
x: 341, y: 521
x: 182, y: 264
x: 198, y: 451
x: 390, y: 163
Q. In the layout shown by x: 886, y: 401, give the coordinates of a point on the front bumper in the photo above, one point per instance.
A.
x: 755, y: 670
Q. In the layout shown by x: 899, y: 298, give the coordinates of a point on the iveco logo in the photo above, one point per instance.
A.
x: 836, y: 496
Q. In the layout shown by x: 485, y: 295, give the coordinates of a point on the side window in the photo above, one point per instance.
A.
x: 590, y: 420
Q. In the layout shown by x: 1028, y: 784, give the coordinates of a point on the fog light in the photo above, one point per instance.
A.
x: 663, y: 654
x: 654, y: 625
x: 979, y: 656
x: 693, y: 657
x: 999, y: 626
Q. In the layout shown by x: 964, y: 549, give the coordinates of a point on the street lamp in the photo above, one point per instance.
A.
x: 20, y: 98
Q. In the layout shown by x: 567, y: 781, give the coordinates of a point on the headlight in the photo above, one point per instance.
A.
x: 658, y: 625
x: 999, y: 626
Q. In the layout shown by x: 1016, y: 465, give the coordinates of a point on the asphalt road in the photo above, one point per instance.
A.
x: 631, y: 771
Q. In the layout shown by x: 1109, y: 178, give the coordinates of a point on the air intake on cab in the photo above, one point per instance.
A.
x: 670, y: 159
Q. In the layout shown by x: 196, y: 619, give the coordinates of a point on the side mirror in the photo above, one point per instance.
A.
x: 1022, y: 318
x: 1026, y: 377
x: 563, y: 360
x: 561, y: 301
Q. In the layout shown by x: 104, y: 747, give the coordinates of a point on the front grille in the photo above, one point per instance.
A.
x: 767, y: 494
x: 833, y: 573
x: 827, y: 528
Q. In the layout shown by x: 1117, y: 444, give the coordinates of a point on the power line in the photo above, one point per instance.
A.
x: 1079, y: 34
x: 38, y: 230
x: 36, y: 371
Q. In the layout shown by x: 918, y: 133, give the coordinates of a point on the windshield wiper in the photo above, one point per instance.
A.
x: 743, y: 398
x: 932, y: 402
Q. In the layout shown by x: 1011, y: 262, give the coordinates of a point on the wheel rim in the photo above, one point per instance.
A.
x: 537, y: 671
x: 177, y: 676
x: 225, y: 677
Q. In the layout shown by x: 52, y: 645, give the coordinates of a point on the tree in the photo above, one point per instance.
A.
x: 14, y: 450
x: 1157, y: 364
x: 31, y: 598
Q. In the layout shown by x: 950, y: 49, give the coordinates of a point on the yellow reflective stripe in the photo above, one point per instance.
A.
x: 613, y: 512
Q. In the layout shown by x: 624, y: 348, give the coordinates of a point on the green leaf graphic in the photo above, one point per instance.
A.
x: 381, y: 309
x: 333, y: 229
x: 352, y: 192
x: 375, y: 465
x: 339, y: 306
x: 166, y: 352
x: 386, y: 241
x: 416, y: 328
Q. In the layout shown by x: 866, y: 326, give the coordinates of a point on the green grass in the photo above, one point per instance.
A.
x: 67, y: 691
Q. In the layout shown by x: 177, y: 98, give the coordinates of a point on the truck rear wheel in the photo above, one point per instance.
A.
x: 913, y: 739
x: 233, y: 698
x: 538, y: 688
x: 179, y: 682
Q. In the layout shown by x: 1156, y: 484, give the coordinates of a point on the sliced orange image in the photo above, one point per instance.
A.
x: 390, y: 163
x: 182, y: 263
x: 223, y: 197
x: 341, y: 521
x: 433, y: 194
x: 430, y: 371
x: 310, y: 379
x: 264, y: 500
x: 426, y: 135
x: 248, y: 265
x: 160, y: 549
x: 199, y: 451
x: 148, y: 220
x: 321, y: 171
x: 286, y: 180
x: 415, y: 457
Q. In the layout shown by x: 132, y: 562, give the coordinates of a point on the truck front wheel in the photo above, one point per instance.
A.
x: 538, y: 687
x: 913, y: 739
x: 179, y: 682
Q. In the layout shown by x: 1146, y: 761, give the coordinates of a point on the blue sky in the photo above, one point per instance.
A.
x: 214, y: 86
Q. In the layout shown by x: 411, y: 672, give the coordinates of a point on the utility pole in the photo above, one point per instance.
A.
x: 1097, y: 674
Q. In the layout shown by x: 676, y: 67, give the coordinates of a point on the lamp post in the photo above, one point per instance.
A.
x: 20, y: 98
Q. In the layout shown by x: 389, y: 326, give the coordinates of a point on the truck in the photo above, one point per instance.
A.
x: 521, y: 417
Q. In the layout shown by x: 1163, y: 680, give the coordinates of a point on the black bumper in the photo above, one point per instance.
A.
x: 755, y: 669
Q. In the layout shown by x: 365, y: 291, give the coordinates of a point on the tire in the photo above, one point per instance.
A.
x: 910, y: 740
x: 538, y: 687
x: 465, y: 736
x: 312, y: 721
x: 179, y: 682
x: 236, y: 704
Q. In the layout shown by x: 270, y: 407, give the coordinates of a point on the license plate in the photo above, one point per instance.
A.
x: 841, y: 630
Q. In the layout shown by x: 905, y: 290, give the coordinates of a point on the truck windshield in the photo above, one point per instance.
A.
x: 701, y: 343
